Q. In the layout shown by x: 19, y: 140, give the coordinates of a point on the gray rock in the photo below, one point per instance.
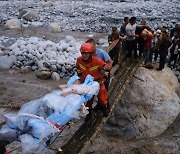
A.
x: 25, y: 69
x: 18, y: 64
x: 21, y: 13
x: 46, y: 64
x: 5, y: 62
x: 13, y: 24
x: 53, y: 68
x: 58, y: 66
x: 55, y: 76
x: 48, y: 4
x: 43, y: 73
x: 36, y: 24
x: 52, y: 62
x: 31, y: 15
x: 149, y: 105
x: 62, y: 74
x: 34, y: 68
x: 54, y: 27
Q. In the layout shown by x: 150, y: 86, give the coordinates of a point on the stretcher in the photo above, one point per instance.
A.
x: 39, y: 122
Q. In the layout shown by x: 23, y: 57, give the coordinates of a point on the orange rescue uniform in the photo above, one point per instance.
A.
x: 94, y: 68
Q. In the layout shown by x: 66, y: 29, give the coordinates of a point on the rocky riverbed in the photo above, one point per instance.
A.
x: 50, y: 22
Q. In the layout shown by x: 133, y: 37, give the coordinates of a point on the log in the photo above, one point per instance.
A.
x: 112, y: 45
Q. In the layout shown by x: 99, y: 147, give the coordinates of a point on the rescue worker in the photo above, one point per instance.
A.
x: 102, y: 55
x: 114, y: 53
x: 89, y: 64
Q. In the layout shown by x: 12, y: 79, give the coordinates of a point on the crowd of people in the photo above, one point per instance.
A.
x: 150, y: 44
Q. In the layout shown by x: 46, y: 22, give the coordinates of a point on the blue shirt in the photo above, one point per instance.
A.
x: 102, y: 55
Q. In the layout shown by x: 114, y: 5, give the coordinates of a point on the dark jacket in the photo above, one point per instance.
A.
x: 164, y: 43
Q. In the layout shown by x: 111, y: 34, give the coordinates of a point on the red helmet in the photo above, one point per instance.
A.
x: 86, y: 47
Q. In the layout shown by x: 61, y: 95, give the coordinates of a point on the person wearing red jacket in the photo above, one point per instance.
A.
x: 89, y: 64
x: 148, y: 37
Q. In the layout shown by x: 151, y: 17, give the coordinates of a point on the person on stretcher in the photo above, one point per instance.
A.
x: 34, y: 123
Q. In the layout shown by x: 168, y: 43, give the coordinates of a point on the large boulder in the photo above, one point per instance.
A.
x: 13, y: 24
x: 149, y: 105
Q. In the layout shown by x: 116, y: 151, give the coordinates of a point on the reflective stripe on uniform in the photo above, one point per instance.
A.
x: 79, y: 71
x: 106, y: 73
x: 81, y: 66
x: 93, y: 68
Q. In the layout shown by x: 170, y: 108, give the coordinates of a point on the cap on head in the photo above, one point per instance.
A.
x: 158, y: 31
x: 86, y: 47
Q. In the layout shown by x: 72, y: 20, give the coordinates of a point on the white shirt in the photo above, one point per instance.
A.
x: 130, y: 30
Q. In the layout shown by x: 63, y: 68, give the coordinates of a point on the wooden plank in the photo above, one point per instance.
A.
x: 112, y: 45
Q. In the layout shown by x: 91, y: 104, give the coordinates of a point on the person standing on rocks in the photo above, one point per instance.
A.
x: 140, y: 39
x: 89, y: 64
x: 102, y: 55
x: 157, y: 34
x: 148, y: 37
x: 131, y: 37
x: 123, y: 33
x: 174, y: 49
x: 163, y: 43
x: 123, y: 27
x: 175, y: 29
x: 114, y: 53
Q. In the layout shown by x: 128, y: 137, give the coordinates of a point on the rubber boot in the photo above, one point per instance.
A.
x: 97, y: 107
x: 105, y: 110
x: 88, y: 116
x: 3, y: 148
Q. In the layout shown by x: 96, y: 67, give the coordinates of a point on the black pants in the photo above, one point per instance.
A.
x: 156, y: 53
x: 162, y: 61
x: 132, y: 46
x: 114, y: 54
x: 173, y: 57
x: 141, y: 49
